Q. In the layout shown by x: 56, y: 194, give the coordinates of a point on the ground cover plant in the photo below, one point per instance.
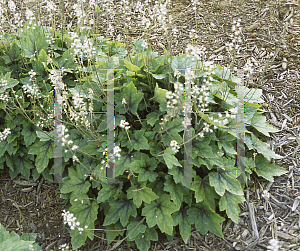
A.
x: 144, y: 84
x: 12, y: 241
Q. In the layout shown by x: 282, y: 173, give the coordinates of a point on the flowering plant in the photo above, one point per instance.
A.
x: 175, y: 148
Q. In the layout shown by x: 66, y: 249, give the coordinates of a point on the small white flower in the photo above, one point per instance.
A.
x: 123, y: 123
x: 74, y: 147
x: 75, y: 158
x: 234, y: 110
x: 144, y: 44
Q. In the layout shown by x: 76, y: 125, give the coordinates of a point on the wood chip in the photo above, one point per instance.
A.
x: 252, y: 27
x: 284, y: 235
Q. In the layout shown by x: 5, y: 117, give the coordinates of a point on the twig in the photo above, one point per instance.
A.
x: 252, y: 219
x: 297, y: 148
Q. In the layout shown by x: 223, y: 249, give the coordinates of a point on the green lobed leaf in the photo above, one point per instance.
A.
x: 120, y: 210
x: 249, y: 113
x: 223, y: 180
x: 24, y: 165
x: 139, y: 141
x: 143, y: 240
x: 170, y: 159
x: 64, y: 61
x: 159, y: 212
x: 131, y: 66
x: 221, y: 72
x: 177, y: 191
x: 145, y: 166
x: 44, y: 151
x: 226, y: 141
x: 160, y: 94
x: 170, y: 132
x: 179, y: 174
x: 135, y: 229
x: 29, y: 134
x: 261, y: 147
x: 230, y: 203
x: 123, y: 163
x: 45, y: 136
x: 132, y: 98
x: 108, y: 191
x: 7, y: 82
x: 265, y: 169
x: 259, y: 122
x: 141, y: 193
x: 13, y: 242
x: 40, y: 65
x: 183, y: 61
x: 91, y: 148
x: 76, y: 183
x: 32, y: 40
x: 181, y: 218
x: 204, y: 191
x: 205, y: 219
x: 86, y: 213
x: 152, y: 118
x: 252, y: 95
x: 13, y: 54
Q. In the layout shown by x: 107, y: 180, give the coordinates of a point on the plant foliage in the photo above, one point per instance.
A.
x: 13, y: 242
x: 152, y: 197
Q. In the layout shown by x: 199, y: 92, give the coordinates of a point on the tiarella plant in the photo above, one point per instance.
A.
x: 149, y: 139
x: 149, y: 195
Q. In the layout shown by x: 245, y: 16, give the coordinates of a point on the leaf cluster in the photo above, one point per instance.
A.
x: 149, y: 193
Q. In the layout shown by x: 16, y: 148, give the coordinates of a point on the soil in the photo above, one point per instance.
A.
x: 268, y: 27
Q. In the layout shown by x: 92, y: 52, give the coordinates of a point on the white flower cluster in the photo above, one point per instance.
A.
x: 5, y: 133
x: 56, y: 78
x: 3, y: 83
x: 70, y: 220
x: 117, y: 149
x: 34, y: 89
x: 175, y: 144
x: 123, y: 123
x: 79, y: 47
x: 64, y: 137
x: 201, y: 94
x: 3, y: 97
x: 11, y: 6
x: 32, y: 74
x: 248, y: 68
x: 190, y: 74
x: 79, y: 104
x: 144, y: 45
x: 196, y: 51
x: 50, y: 117
x: 236, y: 39
x: 197, y: 93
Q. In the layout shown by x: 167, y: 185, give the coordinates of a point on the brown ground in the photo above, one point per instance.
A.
x: 39, y: 209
